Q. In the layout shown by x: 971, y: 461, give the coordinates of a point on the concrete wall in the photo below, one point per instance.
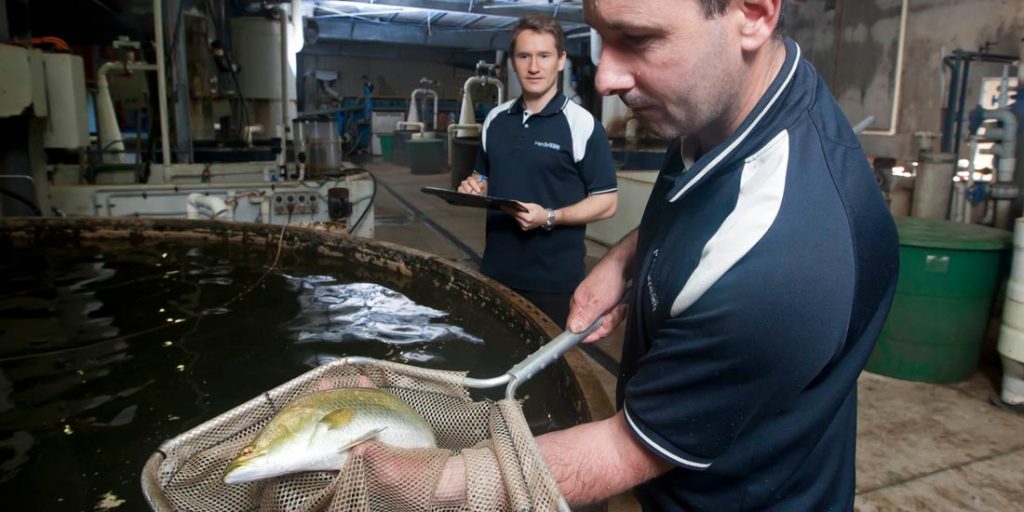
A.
x: 853, y: 44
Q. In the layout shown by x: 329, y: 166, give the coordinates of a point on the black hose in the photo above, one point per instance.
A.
x: 32, y: 205
x: 373, y: 195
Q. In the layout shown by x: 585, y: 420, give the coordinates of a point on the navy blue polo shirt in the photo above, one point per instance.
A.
x: 555, y: 158
x: 765, y: 271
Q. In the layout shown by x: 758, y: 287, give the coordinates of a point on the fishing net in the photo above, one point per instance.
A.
x: 504, y: 470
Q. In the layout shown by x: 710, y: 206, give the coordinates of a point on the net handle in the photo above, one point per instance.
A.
x: 546, y: 355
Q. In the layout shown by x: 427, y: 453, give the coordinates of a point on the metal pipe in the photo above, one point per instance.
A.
x: 217, y: 206
x: 960, y: 108
x: 897, y: 86
x: 950, y: 114
x: 973, y: 148
x: 1005, y: 190
x: 282, y: 159
x: 425, y: 92
x: 402, y: 124
x: 161, y: 83
x: 466, y: 114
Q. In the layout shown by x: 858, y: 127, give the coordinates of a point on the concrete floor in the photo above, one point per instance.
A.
x: 921, y: 447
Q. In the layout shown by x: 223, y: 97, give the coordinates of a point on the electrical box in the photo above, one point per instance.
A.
x: 67, y: 123
x: 301, y: 203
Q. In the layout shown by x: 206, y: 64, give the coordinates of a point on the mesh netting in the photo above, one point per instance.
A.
x: 504, y: 470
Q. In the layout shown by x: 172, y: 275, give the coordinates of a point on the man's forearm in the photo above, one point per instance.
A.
x: 598, y: 460
x: 622, y: 255
x: 597, y: 207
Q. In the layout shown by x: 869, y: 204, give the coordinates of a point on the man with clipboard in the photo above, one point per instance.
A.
x: 552, y: 156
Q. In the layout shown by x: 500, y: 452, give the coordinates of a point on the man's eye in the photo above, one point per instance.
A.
x: 635, y: 39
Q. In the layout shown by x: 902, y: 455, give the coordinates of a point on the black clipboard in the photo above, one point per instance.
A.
x: 460, y: 199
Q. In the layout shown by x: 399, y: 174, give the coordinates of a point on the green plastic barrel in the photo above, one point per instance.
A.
x: 426, y: 156
x: 387, y: 146
x: 948, y: 274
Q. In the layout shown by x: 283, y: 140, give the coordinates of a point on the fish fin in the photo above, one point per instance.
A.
x: 361, y: 439
x: 338, y: 418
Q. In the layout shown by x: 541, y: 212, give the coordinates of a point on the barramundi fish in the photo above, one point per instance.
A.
x: 316, y: 431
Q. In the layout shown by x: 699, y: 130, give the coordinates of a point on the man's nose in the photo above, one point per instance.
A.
x: 613, y: 75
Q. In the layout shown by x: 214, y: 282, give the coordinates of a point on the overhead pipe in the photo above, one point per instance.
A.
x: 406, y: 124
x: 110, y: 132
x: 161, y: 84
x: 413, y: 116
x: 898, y: 85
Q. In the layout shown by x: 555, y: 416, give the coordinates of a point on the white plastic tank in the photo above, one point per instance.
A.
x: 1011, y: 334
x: 256, y: 47
x: 67, y: 125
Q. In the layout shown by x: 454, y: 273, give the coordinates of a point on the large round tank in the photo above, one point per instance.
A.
x: 948, y: 274
x: 141, y: 354
x: 402, y: 137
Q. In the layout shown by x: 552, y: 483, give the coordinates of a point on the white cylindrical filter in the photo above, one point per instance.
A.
x: 1013, y: 314
x: 1011, y: 334
x: 1013, y: 382
x: 256, y: 47
x: 1015, y: 288
x: 933, y: 185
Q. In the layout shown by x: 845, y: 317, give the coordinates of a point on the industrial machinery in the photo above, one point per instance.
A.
x: 231, y: 147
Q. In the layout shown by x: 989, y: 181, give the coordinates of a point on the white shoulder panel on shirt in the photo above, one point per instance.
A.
x: 490, y: 117
x: 581, y: 125
x: 762, y: 186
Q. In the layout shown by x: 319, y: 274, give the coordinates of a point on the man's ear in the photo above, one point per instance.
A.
x: 757, y: 20
x: 561, y: 61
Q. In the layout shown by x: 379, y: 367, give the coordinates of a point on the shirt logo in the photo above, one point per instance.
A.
x: 549, y: 145
x: 651, y: 292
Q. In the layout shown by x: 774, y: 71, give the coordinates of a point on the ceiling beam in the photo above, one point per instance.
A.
x: 568, y: 12
x: 347, y: 29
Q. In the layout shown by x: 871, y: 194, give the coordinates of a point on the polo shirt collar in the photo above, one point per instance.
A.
x: 554, y: 106
x: 755, y: 130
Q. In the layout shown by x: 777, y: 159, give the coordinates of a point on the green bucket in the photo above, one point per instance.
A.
x: 387, y: 146
x: 948, y: 274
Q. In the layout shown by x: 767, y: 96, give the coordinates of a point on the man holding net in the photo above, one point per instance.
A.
x: 762, y: 272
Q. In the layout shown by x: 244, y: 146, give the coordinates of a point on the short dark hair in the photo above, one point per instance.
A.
x: 714, y: 8
x: 539, y: 22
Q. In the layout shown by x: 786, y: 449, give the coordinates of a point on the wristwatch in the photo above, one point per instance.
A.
x: 550, y: 223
